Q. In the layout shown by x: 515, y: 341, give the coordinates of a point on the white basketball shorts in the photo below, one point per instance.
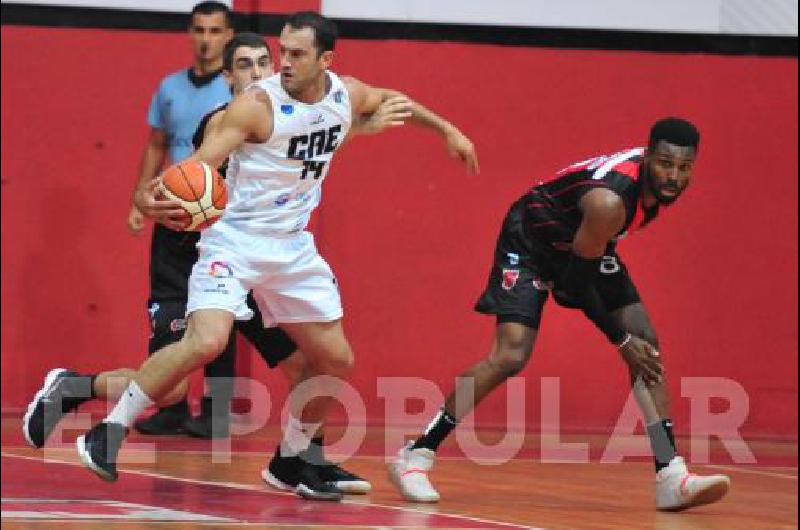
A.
x: 289, y: 279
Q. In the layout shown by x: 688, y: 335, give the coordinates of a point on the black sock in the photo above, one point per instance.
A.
x: 437, y: 431
x: 662, y: 442
x: 92, y: 379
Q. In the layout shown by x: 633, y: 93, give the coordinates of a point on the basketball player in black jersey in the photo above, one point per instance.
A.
x: 561, y: 237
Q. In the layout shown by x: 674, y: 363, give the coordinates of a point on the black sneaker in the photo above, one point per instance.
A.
x: 62, y: 392
x: 98, y: 448
x: 334, y: 474
x: 344, y: 480
x: 210, y: 423
x: 293, y: 473
x: 167, y: 421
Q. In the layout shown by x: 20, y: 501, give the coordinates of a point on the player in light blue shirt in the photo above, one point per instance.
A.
x: 182, y: 99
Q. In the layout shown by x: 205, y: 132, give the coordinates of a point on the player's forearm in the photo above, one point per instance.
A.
x: 423, y: 116
x: 220, y: 141
x: 211, y: 155
x: 358, y: 127
x: 152, y: 161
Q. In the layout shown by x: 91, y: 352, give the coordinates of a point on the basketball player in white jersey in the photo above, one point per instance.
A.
x: 247, y: 59
x: 281, y: 136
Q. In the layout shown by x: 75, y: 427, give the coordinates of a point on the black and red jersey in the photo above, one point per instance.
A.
x: 200, y: 132
x: 551, y: 213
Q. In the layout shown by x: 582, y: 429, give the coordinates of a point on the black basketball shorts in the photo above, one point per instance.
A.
x: 168, y: 323
x: 524, y: 273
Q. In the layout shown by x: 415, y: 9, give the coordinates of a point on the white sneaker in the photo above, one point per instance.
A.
x: 409, y: 472
x: 677, y: 489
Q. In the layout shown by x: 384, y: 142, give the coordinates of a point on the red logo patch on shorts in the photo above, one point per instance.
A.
x: 510, y: 277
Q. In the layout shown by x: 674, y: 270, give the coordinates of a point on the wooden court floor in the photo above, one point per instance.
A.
x: 183, y: 488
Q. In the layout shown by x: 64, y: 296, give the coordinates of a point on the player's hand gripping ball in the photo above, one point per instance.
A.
x: 200, y: 190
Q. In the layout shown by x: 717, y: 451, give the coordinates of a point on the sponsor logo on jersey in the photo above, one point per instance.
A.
x: 287, y: 109
x: 319, y: 119
x: 542, y: 285
x: 338, y: 96
x: 220, y: 269
x: 282, y: 199
x: 513, y: 259
x: 220, y: 288
x: 510, y: 277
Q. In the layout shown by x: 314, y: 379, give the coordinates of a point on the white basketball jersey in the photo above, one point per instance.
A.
x: 274, y: 186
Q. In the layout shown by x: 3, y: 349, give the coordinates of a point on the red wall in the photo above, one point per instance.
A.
x: 409, y: 234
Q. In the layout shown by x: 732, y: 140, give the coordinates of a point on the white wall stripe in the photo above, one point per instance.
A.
x: 175, y: 6
x: 767, y: 17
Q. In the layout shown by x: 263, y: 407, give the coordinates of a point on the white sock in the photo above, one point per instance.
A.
x: 132, y: 403
x: 298, y: 436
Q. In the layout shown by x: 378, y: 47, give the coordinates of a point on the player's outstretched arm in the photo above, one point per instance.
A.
x: 391, y: 113
x: 366, y: 100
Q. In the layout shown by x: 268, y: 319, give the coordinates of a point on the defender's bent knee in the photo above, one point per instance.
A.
x: 513, y: 347
x: 508, y: 363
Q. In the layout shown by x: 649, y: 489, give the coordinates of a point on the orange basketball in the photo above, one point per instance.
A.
x: 199, y: 188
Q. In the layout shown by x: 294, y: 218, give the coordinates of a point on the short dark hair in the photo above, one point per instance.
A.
x: 325, y: 31
x: 676, y: 131
x: 209, y: 8
x: 252, y: 40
